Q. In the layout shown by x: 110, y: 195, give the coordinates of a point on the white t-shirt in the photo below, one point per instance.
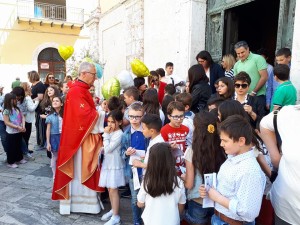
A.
x: 162, y: 210
x: 285, y: 191
x: 157, y: 139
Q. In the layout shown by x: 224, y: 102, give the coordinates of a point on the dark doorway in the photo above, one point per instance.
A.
x: 255, y: 22
x: 49, y: 61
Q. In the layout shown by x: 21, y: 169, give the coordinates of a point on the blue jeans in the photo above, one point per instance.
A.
x: 215, y: 220
x: 24, y: 147
x: 196, y: 214
x: 3, y: 135
x: 136, y: 211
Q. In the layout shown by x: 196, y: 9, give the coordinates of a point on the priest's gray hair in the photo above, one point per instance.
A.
x: 85, y: 67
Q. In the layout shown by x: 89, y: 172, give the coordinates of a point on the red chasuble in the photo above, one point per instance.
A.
x: 80, y: 116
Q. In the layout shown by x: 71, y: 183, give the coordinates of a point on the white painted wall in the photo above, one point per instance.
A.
x: 173, y: 31
x: 295, y: 67
x: 113, y: 42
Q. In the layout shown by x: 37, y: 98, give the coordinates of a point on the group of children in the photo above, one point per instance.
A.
x: 175, y: 160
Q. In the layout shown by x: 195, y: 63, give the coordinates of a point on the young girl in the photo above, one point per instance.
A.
x: 15, y: 125
x: 53, y: 131
x: 112, y: 173
x: 46, y: 104
x: 225, y: 88
x: 204, y: 156
x: 162, y: 192
x: 151, y: 104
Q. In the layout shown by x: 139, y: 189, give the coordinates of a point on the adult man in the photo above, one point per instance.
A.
x: 16, y: 83
x: 256, y: 66
x: 77, y: 174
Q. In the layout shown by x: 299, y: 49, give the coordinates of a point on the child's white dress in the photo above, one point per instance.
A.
x: 112, y: 170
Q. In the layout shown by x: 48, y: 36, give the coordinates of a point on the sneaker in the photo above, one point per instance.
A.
x: 23, y: 161
x: 113, y: 221
x: 12, y: 165
x: 107, y: 215
x: 29, y: 157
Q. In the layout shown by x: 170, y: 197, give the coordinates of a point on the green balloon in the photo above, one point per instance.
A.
x: 111, y: 88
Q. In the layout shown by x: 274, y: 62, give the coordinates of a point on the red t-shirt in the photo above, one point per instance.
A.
x: 171, y: 134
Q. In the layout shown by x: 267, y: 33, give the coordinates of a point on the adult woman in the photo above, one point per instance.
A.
x: 212, y: 70
x: 49, y: 80
x: 225, y: 88
x: 153, y: 79
x: 37, y: 93
x: 151, y: 104
x: 198, y: 88
x: 227, y: 63
x: 253, y: 107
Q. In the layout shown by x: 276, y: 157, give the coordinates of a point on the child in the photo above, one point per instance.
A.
x: 204, y: 156
x: 112, y: 173
x: 151, y: 125
x: 174, y: 132
x: 186, y: 100
x: 162, y: 193
x: 284, y: 56
x: 15, y: 125
x: 132, y: 140
x: 53, y: 131
x: 240, y: 181
x: 131, y: 95
x: 286, y: 93
x: 64, y: 88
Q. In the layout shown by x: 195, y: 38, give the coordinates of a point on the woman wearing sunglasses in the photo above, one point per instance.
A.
x: 252, y: 106
x: 49, y: 80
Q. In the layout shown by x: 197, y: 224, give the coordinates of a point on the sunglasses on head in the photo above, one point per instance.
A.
x: 241, y: 85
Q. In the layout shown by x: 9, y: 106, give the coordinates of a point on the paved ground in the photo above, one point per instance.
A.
x: 25, y: 195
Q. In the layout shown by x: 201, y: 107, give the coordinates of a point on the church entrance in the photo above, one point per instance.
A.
x: 256, y: 23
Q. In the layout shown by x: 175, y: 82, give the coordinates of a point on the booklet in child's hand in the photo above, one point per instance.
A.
x: 139, y: 155
x: 210, y: 180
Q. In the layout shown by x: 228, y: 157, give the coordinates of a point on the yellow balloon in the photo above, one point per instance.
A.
x: 65, y: 51
x: 139, y: 68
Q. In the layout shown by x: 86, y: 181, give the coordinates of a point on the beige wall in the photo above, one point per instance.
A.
x: 18, y: 50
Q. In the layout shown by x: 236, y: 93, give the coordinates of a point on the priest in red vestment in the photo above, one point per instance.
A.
x: 77, y: 174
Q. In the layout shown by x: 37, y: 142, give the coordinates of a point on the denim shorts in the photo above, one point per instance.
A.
x: 54, y: 141
x: 196, y: 214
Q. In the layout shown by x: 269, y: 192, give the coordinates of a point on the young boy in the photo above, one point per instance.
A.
x: 132, y: 140
x: 240, y: 181
x: 131, y: 95
x: 174, y: 132
x: 286, y: 93
x: 283, y: 56
x: 186, y: 100
x: 151, y: 124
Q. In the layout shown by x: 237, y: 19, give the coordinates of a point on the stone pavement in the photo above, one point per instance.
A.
x: 25, y: 195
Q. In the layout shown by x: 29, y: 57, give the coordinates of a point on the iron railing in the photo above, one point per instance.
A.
x: 38, y: 10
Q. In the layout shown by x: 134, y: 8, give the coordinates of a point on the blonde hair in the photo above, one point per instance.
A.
x: 229, y: 60
x: 33, y: 76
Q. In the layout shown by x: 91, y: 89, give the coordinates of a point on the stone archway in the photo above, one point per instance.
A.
x: 40, y: 48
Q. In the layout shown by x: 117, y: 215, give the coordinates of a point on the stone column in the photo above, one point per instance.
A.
x: 295, y: 68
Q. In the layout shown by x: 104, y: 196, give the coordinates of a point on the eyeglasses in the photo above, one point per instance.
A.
x: 131, y: 117
x: 94, y: 74
x: 177, y: 117
x: 50, y: 77
x: 241, y: 85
